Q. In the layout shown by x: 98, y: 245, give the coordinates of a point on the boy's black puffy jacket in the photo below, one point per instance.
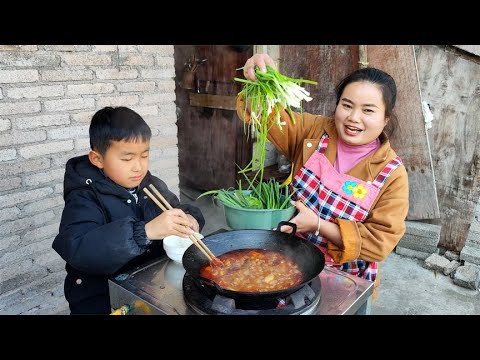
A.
x: 102, y: 232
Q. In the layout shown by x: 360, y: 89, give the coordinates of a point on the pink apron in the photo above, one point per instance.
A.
x: 333, y: 195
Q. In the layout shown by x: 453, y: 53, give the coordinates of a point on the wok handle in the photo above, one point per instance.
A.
x: 209, y: 282
x: 292, y: 225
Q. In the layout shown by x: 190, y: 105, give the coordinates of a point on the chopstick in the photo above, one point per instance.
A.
x: 193, y: 237
x: 198, y: 242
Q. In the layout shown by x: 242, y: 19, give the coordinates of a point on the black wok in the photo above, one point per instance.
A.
x: 306, y: 255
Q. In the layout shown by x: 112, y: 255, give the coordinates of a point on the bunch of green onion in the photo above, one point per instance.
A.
x: 271, y: 91
x: 264, y: 195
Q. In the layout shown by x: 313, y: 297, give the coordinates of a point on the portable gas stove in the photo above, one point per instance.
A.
x: 162, y: 287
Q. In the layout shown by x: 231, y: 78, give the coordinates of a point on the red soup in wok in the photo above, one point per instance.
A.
x: 254, y: 270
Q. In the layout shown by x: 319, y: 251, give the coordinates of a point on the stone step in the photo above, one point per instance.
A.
x: 421, y: 237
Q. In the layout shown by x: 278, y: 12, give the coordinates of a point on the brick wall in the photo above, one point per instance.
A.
x: 48, y: 94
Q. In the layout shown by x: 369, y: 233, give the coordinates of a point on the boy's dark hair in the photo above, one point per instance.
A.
x: 386, y: 84
x: 116, y: 124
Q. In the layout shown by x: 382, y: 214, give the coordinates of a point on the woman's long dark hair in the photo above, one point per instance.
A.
x: 387, y: 86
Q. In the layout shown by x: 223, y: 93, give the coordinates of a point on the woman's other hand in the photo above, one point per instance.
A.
x: 306, y: 219
x: 260, y: 60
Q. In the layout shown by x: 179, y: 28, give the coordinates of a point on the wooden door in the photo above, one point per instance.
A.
x: 451, y: 86
x: 211, y: 138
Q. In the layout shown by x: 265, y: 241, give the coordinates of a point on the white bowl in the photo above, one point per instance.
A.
x: 175, y: 246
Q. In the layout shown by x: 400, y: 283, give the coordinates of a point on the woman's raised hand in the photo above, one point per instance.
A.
x: 260, y: 60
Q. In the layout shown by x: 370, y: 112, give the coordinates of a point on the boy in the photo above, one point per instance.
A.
x: 108, y: 223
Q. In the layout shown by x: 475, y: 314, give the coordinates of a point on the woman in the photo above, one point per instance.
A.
x: 352, y: 188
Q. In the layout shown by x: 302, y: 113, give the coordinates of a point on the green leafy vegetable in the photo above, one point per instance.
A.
x: 265, y: 195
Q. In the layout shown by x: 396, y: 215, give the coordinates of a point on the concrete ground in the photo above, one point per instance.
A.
x: 406, y: 287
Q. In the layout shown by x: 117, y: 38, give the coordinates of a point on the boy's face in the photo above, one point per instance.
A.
x: 125, y: 163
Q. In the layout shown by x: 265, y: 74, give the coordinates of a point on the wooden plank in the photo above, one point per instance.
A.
x: 451, y: 85
x: 410, y: 139
x: 213, y: 101
x: 325, y: 64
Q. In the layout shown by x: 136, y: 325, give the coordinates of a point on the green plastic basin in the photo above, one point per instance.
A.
x: 265, y: 219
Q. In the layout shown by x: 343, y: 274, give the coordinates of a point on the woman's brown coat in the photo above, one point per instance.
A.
x: 377, y: 236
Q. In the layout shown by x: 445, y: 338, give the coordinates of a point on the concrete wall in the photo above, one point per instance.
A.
x: 48, y: 94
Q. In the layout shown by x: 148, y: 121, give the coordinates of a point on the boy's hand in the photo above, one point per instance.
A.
x: 170, y: 222
x: 193, y: 223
